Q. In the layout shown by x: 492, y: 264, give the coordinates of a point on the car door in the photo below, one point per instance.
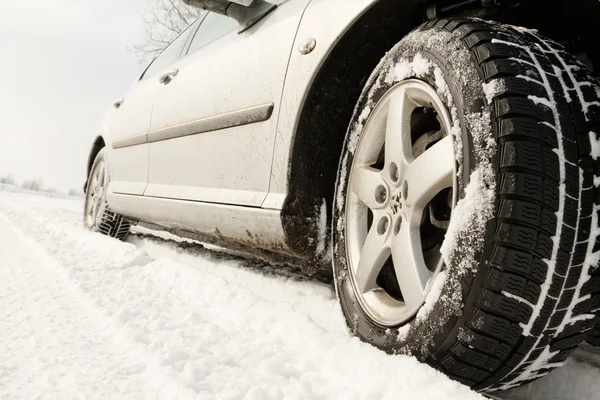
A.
x: 214, y: 125
x: 129, y: 124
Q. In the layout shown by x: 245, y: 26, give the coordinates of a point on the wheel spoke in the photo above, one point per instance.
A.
x: 410, y: 267
x: 397, y: 134
x: 430, y: 173
x: 95, y: 212
x: 369, y: 187
x: 373, y: 256
x: 101, y: 176
x: 93, y: 184
x: 89, y: 206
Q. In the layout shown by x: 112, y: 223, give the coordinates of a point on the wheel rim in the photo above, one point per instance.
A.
x: 95, y: 194
x: 402, y: 179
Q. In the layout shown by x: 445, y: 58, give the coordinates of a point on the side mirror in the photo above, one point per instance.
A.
x: 246, y: 12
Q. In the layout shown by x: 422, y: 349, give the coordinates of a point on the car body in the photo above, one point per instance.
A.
x: 236, y: 137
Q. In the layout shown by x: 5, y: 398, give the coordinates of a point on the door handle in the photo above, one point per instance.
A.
x: 118, y: 102
x: 168, y: 76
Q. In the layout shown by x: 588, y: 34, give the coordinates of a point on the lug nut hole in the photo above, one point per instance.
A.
x: 380, y: 194
x: 383, y: 225
x: 394, y: 174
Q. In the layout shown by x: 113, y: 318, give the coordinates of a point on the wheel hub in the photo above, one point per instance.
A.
x: 398, y: 169
x: 396, y: 203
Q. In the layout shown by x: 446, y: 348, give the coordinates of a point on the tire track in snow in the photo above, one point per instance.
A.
x: 315, y: 300
x: 208, y: 335
x: 48, y: 341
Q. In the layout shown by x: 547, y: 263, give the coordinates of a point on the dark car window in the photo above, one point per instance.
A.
x: 213, y: 27
x: 169, y: 55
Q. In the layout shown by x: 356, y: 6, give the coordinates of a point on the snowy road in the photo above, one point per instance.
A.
x: 84, y: 316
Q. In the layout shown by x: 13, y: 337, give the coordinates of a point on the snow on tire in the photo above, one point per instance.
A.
x: 97, y: 215
x: 515, y: 294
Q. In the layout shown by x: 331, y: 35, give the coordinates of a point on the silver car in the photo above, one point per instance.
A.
x: 439, y: 165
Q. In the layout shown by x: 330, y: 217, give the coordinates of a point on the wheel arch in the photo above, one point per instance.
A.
x: 327, y: 109
x: 98, y: 145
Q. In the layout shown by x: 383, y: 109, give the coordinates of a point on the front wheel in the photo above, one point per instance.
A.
x: 464, y: 222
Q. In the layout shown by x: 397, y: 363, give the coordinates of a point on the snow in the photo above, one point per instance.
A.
x: 592, y: 259
x: 89, y: 317
x: 362, y: 118
x: 401, y: 71
x: 341, y: 194
x: 420, y: 66
x: 493, y: 88
x: 322, y: 236
x: 86, y: 316
x: 432, y: 297
x: 478, y: 197
x: 524, y: 29
x: 520, y: 300
x: 563, y: 84
x: 403, y: 332
x: 595, y: 146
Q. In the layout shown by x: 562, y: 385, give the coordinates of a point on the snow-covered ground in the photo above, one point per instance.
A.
x: 85, y: 316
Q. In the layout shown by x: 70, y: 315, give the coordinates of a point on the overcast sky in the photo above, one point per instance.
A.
x: 62, y: 63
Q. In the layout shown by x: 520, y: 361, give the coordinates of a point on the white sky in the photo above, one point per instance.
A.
x: 62, y: 63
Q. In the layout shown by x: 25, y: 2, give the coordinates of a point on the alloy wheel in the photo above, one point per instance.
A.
x: 399, y: 201
x: 95, y: 194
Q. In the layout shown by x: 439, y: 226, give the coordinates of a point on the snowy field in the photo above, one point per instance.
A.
x: 86, y: 317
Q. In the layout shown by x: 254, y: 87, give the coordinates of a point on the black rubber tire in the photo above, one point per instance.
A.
x: 109, y: 223
x: 518, y: 276
x: 594, y: 336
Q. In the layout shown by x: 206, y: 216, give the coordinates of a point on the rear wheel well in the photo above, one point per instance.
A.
x: 333, y: 95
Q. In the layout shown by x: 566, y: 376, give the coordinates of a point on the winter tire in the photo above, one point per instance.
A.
x: 97, y: 216
x: 594, y: 335
x: 464, y: 216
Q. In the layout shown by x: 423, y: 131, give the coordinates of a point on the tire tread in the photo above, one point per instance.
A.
x: 492, y: 352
